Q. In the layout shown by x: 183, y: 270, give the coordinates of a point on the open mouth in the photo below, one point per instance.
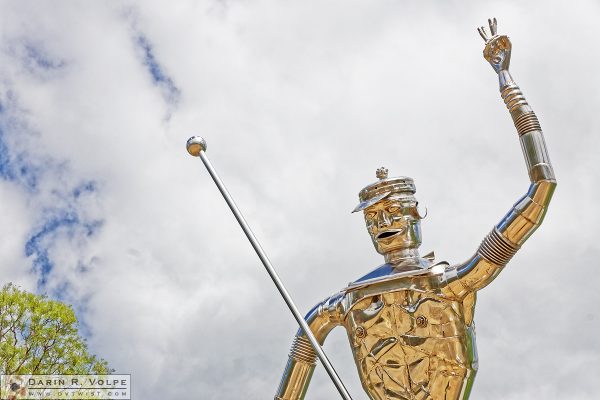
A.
x: 387, y: 234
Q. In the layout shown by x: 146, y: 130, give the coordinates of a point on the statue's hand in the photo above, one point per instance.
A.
x: 497, y: 48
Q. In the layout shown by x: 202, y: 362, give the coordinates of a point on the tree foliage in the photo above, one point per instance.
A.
x: 40, y: 336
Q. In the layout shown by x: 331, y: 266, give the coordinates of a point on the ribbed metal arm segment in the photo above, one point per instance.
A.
x: 302, y: 359
x: 526, y: 215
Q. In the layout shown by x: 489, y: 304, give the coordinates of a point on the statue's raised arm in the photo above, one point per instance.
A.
x: 528, y: 212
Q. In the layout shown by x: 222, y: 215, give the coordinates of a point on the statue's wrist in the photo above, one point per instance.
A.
x: 505, y: 78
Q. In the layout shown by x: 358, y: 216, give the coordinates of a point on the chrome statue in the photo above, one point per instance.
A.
x: 410, y: 321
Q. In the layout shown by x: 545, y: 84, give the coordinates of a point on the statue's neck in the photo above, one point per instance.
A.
x: 398, y: 256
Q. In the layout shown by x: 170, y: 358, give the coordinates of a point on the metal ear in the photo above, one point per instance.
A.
x: 421, y: 215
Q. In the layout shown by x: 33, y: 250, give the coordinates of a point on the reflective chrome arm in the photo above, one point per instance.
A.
x: 302, y: 359
x: 527, y: 214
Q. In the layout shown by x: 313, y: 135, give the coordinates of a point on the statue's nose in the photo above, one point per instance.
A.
x: 383, y: 219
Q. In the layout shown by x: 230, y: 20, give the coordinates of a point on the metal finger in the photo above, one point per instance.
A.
x: 493, y: 26
x: 483, y: 33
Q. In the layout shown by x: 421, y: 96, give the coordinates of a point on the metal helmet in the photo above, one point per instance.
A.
x: 401, y: 186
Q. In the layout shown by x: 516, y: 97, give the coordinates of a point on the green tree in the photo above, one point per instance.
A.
x: 40, y: 336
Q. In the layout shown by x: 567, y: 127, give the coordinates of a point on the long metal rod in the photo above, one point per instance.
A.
x: 269, y: 267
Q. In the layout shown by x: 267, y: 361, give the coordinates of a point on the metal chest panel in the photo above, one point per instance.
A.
x: 412, y: 342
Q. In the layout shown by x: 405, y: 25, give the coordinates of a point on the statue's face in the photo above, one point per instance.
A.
x: 394, y: 224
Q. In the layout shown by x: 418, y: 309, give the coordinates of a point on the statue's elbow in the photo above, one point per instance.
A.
x: 541, y: 192
x: 321, y: 319
x: 528, y: 213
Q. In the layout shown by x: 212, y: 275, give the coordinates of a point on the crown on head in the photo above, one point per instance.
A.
x: 381, y: 173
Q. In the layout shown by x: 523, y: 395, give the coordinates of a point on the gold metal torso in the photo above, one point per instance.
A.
x: 412, y: 342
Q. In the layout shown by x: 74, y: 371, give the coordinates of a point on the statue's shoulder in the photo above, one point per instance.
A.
x: 423, y: 266
x: 424, y: 276
x: 382, y: 271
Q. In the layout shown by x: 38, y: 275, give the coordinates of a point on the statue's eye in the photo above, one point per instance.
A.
x: 371, y: 214
x: 393, y: 209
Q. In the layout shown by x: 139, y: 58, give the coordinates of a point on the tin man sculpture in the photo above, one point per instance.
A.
x: 410, y: 321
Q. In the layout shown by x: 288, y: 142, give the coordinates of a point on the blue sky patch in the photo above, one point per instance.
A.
x: 58, y: 207
x: 14, y: 165
x: 159, y: 77
x: 39, y: 243
x: 36, y: 57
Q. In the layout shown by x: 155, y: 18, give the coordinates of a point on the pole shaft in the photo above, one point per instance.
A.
x: 276, y: 280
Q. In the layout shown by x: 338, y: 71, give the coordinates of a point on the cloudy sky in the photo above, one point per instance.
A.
x: 300, y: 102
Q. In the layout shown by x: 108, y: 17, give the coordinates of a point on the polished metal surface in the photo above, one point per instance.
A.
x: 384, y: 187
x: 196, y: 146
x: 410, y: 321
